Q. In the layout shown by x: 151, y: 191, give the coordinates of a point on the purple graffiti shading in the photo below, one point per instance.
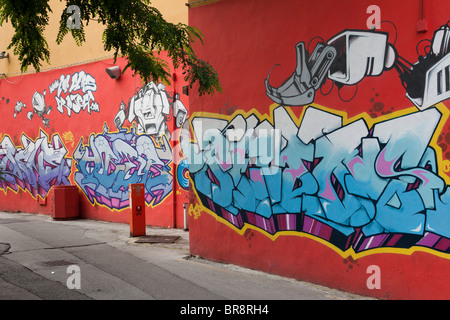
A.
x: 305, y: 224
x: 353, y: 186
x: 36, y: 166
x: 114, y: 160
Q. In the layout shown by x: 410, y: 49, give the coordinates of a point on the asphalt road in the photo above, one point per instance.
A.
x: 43, y: 259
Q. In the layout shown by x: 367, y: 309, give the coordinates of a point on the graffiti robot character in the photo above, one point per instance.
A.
x: 350, y: 56
x: 150, y: 108
x: 40, y: 108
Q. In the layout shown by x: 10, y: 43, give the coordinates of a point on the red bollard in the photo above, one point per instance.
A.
x: 137, y: 208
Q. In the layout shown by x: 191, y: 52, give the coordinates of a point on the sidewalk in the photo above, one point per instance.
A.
x: 36, y: 251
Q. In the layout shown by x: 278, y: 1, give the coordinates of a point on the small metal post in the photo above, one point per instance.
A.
x: 185, y: 217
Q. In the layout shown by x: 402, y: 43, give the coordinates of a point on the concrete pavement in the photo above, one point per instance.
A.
x: 36, y: 252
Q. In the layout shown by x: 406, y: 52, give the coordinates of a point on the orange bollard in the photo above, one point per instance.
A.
x: 137, y: 208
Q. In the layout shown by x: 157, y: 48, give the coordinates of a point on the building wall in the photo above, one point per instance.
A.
x: 68, y: 53
x: 71, y: 124
x: 326, y: 156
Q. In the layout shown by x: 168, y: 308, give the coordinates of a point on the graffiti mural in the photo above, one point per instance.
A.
x: 113, y: 160
x: 35, y: 166
x: 39, y: 107
x: 74, y: 92
x: 183, y: 174
x: 356, y: 185
x: 350, y: 56
x: 134, y: 140
x: 150, y: 109
x: 78, y: 90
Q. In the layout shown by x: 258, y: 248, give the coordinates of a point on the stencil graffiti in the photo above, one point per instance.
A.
x: 354, y: 185
x: 113, y: 160
x: 36, y: 166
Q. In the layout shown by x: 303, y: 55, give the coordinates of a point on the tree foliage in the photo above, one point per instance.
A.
x: 133, y: 28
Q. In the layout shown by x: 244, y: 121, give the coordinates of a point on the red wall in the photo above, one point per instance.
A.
x: 55, y: 156
x: 244, y: 40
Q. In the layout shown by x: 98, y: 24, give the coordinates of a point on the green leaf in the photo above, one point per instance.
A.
x: 134, y: 29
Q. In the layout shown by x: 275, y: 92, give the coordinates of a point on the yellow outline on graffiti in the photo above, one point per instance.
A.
x: 370, y: 122
x: 49, y: 140
x: 95, y: 203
